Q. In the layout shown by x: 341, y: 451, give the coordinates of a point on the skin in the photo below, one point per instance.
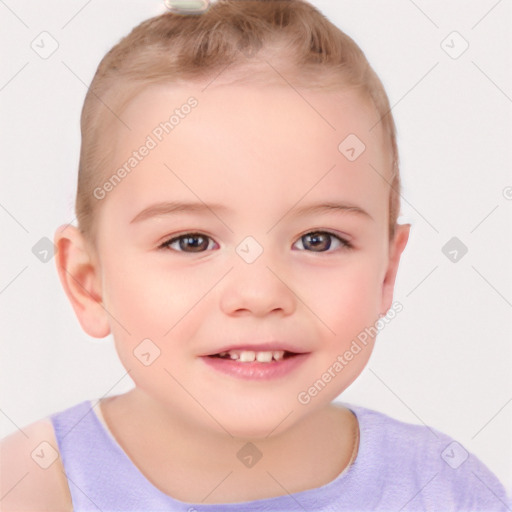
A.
x: 260, y: 152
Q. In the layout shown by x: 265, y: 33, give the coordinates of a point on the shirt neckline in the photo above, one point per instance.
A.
x: 347, y: 474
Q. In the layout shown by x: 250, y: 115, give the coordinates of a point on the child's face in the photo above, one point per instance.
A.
x: 262, y: 156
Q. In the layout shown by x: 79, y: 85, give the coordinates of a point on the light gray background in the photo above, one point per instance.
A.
x: 445, y: 360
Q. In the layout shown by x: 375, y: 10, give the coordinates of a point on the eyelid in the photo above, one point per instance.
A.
x: 342, y: 236
x: 170, y: 239
x: 345, y: 240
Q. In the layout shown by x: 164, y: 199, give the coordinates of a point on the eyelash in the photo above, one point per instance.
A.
x: 345, y: 244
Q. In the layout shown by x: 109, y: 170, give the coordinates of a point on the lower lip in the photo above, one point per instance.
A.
x: 256, y: 370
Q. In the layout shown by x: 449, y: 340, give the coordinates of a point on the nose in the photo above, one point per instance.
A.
x: 256, y: 289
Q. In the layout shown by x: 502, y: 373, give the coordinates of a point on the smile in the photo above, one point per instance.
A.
x: 261, y: 365
x: 249, y: 356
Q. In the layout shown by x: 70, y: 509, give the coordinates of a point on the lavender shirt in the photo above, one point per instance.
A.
x: 399, y: 467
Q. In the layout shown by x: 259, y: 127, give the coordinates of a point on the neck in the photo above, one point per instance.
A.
x: 198, y: 465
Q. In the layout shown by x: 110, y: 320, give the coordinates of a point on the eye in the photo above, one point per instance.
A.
x: 322, y: 241
x: 189, y: 242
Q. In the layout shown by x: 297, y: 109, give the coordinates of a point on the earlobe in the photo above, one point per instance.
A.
x: 80, y: 277
x: 396, y: 248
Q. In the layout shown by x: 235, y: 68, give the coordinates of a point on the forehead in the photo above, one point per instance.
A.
x: 310, y: 113
x: 241, y: 144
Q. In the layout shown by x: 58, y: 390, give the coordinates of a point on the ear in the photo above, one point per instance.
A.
x: 80, y: 276
x: 396, y: 247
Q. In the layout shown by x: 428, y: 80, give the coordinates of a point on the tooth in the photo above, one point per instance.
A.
x: 247, y: 356
x: 264, y: 357
x: 278, y: 354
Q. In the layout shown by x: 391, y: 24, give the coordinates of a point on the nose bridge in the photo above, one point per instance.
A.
x: 256, y: 287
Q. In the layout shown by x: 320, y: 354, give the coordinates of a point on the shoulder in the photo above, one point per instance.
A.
x: 33, y: 477
x: 428, y: 462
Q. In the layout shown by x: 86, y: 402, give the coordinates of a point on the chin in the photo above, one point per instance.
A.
x: 254, y: 422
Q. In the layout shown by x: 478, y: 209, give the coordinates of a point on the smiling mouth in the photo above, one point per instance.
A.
x: 250, y: 356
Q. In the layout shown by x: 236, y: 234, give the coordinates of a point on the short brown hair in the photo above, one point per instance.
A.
x: 175, y: 47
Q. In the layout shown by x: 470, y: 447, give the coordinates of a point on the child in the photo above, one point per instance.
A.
x: 237, y: 205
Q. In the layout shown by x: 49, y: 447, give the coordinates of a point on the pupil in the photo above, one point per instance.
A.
x: 319, y: 240
x: 189, y: 242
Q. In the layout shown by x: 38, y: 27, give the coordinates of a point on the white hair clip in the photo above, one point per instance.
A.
x: 187, y: 6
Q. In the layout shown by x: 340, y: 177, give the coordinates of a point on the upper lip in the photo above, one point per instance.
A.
x: 268, y: 346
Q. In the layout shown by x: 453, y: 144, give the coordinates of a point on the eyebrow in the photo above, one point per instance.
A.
x: 332, y: 206
x: 176, y: 207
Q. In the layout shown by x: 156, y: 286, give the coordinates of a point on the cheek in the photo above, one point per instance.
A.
x: 160, y: 303
x: 148, y: 307
x: 150, y: 299
x: 346, y: 303
x: 345, y: 296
